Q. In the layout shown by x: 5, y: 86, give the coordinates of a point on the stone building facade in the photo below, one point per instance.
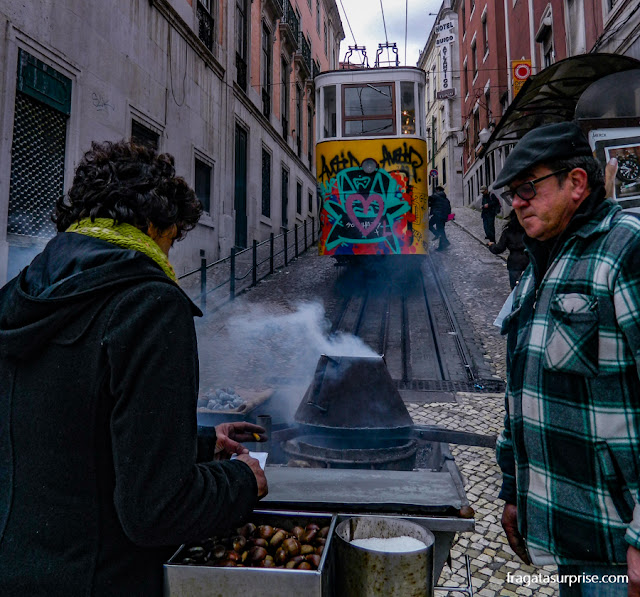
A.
x: 200, y: 79
x: 440, y: 59
x: 499, y: 35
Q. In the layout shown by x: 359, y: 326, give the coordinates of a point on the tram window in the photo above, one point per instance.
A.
x: 369, y: 109
x: 408, y: 107
x: 330, y: 129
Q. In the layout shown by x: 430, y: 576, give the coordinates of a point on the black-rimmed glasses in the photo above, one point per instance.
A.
x: 527, y: 190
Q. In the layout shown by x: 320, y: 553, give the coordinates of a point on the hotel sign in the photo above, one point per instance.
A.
x: 445, y: 38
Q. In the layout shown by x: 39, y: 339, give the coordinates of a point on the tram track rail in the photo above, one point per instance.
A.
x: 409, y: 318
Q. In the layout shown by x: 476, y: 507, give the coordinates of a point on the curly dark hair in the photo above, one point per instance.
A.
x: 130, y: 184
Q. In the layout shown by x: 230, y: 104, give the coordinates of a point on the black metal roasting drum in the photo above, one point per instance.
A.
x: 352, y: 416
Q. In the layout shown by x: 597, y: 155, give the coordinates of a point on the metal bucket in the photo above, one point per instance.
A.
x: 363, y: 572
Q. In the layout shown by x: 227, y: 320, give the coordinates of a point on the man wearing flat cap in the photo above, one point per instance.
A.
x: 570, y: 448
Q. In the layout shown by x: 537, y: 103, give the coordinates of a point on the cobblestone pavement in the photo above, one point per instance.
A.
x: 482, y: 284
x: 480, y: 280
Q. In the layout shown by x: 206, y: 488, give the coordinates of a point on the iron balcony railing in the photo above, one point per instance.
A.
x: 304, y: 54
x: 290, y: 25
x: 206, y: 27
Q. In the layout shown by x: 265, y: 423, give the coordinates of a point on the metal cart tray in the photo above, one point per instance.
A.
x: 204, y: 581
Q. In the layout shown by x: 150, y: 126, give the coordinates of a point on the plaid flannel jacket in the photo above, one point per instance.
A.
x: 570, y: 449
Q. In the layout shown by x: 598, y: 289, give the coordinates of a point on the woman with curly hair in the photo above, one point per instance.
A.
x: 100, y: 476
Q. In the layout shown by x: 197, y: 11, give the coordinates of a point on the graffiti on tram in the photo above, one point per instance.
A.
x: 380, y: 213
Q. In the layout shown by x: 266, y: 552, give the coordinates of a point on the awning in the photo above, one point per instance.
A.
x: 553, y: 94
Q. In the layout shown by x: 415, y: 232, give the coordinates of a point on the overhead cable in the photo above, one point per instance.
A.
x: 347, y: 18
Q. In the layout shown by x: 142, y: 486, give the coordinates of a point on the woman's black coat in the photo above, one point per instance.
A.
x: 512, y: 238
x: 99, y: 479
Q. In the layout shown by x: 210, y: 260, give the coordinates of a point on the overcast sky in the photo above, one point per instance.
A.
x: 365, y: 18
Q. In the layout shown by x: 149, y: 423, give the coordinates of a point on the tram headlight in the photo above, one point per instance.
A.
x: 369, y: 165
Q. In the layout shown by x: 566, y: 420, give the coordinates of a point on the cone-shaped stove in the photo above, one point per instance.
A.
x: 353, y: 394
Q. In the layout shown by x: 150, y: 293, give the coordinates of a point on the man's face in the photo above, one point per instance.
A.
x: 548, y: 213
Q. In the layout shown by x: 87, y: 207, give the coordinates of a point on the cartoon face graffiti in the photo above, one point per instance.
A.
x: 364, y: 212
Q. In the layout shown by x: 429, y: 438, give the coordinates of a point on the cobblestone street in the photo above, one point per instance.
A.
x: 481, y: 283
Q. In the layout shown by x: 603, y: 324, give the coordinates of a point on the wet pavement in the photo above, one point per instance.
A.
x: 279, y: 341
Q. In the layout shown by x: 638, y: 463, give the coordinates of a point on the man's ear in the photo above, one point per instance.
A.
x: 578, y: 179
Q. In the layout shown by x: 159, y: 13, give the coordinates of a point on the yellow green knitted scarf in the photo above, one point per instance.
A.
x: 125, y: 236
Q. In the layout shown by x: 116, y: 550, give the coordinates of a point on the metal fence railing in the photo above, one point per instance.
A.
x: 215, y: 284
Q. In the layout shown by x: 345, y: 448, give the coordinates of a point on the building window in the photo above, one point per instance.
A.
x: 206, y: 23
x: 474, y: 58
x: 476, y: 128
x: 241, y: 43
x: 487, y: 103
x: 465, y: 79
x: 202, y: 186
x: 485, y: 34
x: 284, y: 98
x: 285, y: 198
x: 433, y: 77
x: 266, y: 70
x: 299, y: 119
x: 547, y: 49
x: 428, y: 95
x: 575, y: 27
x: 326, y: 41
x: 473, y: 5
x: 144, y: 136
x: 310, y: 139
x: 464, y: 17
x: 310, y: 202
x: 298, y: 197
x: 444, y: 171
x: 318, y: 16
x: 266, y: 183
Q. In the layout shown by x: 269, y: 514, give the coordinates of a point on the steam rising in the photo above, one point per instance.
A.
x: 279, y: 349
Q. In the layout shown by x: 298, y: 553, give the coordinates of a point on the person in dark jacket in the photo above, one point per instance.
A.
x: 100, y: 477
x: 512, y: 238
x: 490, y: 209
x: 439, y: 209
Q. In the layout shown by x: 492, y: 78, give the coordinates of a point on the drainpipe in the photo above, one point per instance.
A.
x: 532, y: 38
x: 508, y: 44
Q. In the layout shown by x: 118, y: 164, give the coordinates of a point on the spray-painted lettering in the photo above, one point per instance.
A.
x: 336, y: 164
x: 403, y: 155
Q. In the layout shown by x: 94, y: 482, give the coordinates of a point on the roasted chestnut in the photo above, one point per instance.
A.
x: 306, y: 548
x: 266, y: 531
x: 239, y: 543
x: 278, y: 538
x: 313, y: 559
x: 292, y: 546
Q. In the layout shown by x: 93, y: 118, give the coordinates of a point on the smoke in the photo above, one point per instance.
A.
x: 271, y: 347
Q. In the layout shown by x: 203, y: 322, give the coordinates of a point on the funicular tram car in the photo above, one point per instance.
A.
x: 372, y: 162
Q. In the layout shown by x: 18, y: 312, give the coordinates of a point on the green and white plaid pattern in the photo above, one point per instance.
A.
x: 570, y: 444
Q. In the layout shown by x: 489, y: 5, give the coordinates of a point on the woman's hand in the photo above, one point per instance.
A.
x: 229, y: 436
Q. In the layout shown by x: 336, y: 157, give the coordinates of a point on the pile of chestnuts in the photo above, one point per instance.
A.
x: 261, y: 546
